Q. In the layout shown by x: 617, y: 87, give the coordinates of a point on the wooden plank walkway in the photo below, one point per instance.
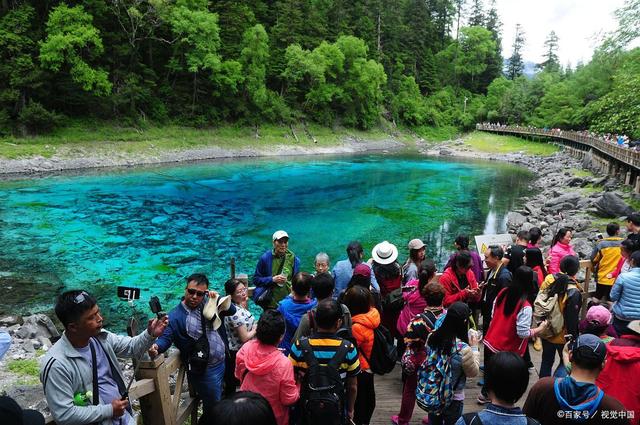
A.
x: 389, y: 393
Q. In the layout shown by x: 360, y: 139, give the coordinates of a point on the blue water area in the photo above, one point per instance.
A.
x: 151, y: 227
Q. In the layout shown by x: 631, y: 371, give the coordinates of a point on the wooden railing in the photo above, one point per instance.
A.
x: 159, y: 406
x: 630, y: 157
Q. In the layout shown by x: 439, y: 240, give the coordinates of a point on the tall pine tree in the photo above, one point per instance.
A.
x: 551, y: 61
x: 515, y: 67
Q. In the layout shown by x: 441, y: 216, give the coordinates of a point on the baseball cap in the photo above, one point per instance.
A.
x: 589, y: 346
x: 279, y: 234
x: 416, y: 244
x: 362, y: 270
x: 598, y: 315
x: 12, y: 414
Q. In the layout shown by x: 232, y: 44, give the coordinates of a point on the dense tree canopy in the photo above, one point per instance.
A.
x: 335, y: 62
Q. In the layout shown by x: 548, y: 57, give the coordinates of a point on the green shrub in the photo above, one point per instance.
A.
x: 37, y: 120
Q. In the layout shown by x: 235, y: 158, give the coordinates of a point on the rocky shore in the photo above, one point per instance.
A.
x: 81, y: 160
x: 561, y: 195
x: 565, y: 193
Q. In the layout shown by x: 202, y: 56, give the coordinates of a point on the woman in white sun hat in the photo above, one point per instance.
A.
x: 388, y: 273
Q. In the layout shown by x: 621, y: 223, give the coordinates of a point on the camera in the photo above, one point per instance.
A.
x: 154, y: 303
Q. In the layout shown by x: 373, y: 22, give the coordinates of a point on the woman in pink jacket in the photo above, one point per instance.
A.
x: 412, y: 293
x: 560, y: 248
x: 263, y: 369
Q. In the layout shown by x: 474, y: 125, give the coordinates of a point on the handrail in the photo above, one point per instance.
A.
x: 628, y: 156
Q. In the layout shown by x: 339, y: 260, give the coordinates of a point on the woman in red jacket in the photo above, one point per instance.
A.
x: 366, y: 319
x: 459, y: 282
x: 510, y: 327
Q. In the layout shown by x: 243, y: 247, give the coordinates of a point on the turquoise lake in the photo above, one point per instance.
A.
x: 151, y: 227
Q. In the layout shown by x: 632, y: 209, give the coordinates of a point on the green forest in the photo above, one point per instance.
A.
x: 419, y: 64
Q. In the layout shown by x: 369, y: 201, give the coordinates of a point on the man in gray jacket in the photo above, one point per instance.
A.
x: 80, y: 375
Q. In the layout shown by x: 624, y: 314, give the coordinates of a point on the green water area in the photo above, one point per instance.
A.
x: 151, y: 227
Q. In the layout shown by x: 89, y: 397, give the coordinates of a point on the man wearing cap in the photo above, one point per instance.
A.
x: 410, y: 268
x: 186, y: 324
x: 274, y: 270
x: 576, y: 398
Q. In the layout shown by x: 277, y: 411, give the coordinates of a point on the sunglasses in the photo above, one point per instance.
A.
x: 81, y: 297
x: 192, y: 291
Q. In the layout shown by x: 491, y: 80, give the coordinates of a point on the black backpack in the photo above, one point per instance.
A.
x: 384, y: 352
x: 322, y: 395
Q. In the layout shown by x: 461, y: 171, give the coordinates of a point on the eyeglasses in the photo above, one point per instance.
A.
x: 241, y: 290
x: 192, y: 291
x: 81, y: 297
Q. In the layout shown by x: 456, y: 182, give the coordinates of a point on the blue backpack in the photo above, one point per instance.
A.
x: 434, y: 391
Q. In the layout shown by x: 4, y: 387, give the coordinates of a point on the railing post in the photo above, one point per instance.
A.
x: 157, y: 407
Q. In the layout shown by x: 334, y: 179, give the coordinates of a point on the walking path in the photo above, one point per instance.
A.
x: 389, y: 393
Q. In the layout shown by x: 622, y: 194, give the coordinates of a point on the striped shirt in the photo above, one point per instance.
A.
x: 324, y: 347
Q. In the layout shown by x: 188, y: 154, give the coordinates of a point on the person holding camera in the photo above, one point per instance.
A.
x: 201, y: 341
x: 81, y: 377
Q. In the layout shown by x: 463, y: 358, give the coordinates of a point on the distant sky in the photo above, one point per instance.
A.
x: 578, y: 23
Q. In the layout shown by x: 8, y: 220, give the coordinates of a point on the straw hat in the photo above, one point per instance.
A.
x: 214, y: 307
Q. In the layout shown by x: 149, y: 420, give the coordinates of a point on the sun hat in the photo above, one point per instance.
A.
x: 589, y: 346
x: 279, y: 234
x: 362, y: 269
x: 598, y: 315
x: 384, y: 253
x: 12, y: 414
x: 416, y: 244
x: 214, y: 307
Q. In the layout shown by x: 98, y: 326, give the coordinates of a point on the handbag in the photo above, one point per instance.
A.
x: 198, y: 357
x: 265, y: 298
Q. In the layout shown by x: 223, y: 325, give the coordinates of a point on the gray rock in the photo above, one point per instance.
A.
x: 611, y: 205
x: 567, y: 197
x: 42, y: 324
x: 515, y: 220
x: 526, y: 226
x: 26, y: 331
x: 576, y: 181
x: 11, y: 320
x: 582, y: 247
x: 446, y: 152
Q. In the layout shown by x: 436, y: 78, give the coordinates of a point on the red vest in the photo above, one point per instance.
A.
x: 502, y: 334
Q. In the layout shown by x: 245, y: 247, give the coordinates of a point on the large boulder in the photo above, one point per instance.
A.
x: 611, y: 205
x: 37, y: 325
x: 569, y: 198
x: 515, y: 220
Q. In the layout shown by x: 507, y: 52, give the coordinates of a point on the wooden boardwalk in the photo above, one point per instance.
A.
x: 389, y: 393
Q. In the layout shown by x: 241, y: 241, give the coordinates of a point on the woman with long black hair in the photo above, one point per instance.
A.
x: 451, y: 339
x: 343, y: 270
x: 510, y: 327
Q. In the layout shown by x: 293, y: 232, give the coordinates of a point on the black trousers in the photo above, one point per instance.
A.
x: 366, y: 399
x: 230, y: 381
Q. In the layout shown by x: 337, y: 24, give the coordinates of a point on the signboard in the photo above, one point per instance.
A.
x: 128, y: 293
x: 485, y: 241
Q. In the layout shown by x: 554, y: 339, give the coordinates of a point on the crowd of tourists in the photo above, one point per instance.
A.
x: 313, y: 355
x: 620, y: 140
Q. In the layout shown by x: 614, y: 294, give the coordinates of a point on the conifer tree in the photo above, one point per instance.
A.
x: 515, y: 67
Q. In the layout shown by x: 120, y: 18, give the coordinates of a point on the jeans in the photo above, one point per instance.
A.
x: 208, y: 386
x: 365, y: 400
x: 450, y: 415
x: 549, y: 350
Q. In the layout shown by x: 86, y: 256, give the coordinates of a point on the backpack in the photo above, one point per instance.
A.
x: 322, y: 394
x: 434, y: 391
x: 383, y: 353
x: 393, y: 301
x: 548, y: 308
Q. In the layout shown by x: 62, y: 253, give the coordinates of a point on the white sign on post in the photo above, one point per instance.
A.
x: 485, y: 241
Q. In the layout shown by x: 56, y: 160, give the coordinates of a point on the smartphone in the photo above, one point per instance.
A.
x: 156, y: 308
x: 568, y: 338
